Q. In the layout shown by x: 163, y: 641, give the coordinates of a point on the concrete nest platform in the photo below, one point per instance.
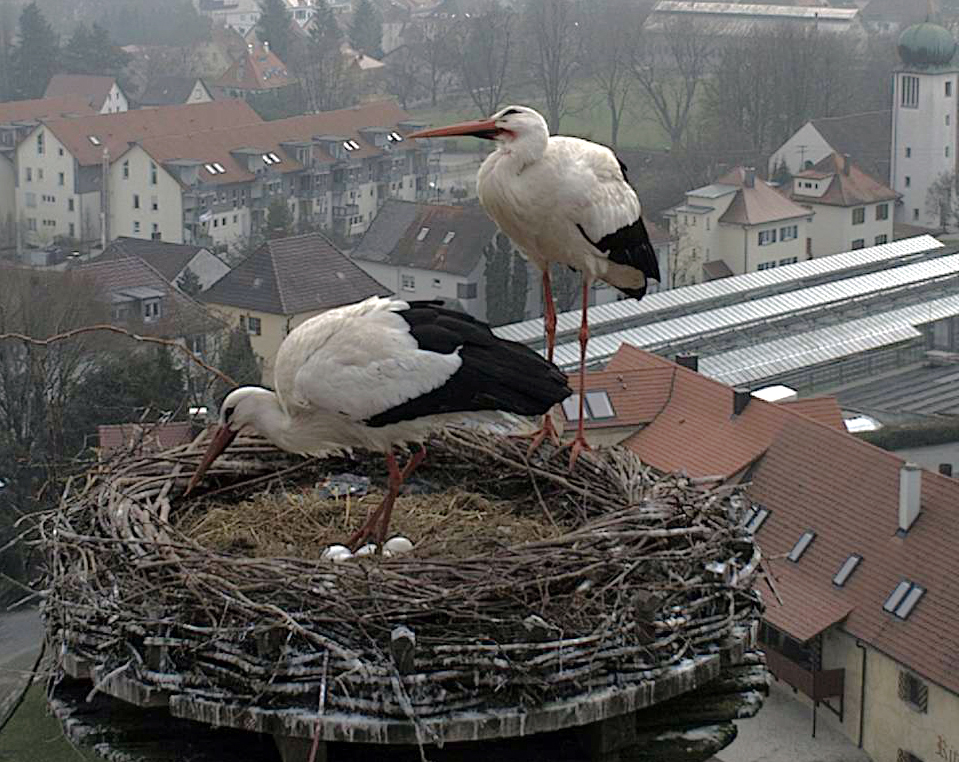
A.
x: 627, y: 627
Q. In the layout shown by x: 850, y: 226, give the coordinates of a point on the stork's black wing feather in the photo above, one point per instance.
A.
x: 495, y: 374
x: 630, y: 246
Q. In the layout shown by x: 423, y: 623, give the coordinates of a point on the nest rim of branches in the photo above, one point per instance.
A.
x: 655, y: 573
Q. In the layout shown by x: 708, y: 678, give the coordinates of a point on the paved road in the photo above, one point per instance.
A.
x: 20, y: 635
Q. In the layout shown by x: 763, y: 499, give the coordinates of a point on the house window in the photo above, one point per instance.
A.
x: 136, y: 200
x: 789, y: 233
x: 903, y: 599
x: 437, y: 283
x: 596, y: 406
x: 408, y: 282
x: 755, y: 518
x: 915, y: 215
x: 908, y: 152
x: 254, y: 325
x: 421, y: 236
x: 788, y: 260
x: 154, y: 203
x: 859, y: 215
x: 29, y: 174
x: 910, y: 91
x: 39, y: 173
x: 913, y: 691
x: 465, y: 290
x: 767, y: 237
x: 908, y: 181
x: 846, y: 570
x: 69, y: 204
x: 31, y: 223
x: 136, y: 226
x: 126, y: 169
x: 73, y: 230
x: 882, y: 211
x: 40, y: 143
x: 153, y: 173
x: 242, y: 322
x: 947, y: 151
x: 31, y: 199
x: 948, y: 89
x: 881, y: 239
x: 766, y: 265
x: 859, y: 243
x: 800, y: 547
x: 61, y: 179
x: 151, y: 310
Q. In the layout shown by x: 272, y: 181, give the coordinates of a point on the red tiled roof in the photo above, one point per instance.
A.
x: 845, y: 189
x: 805, y: 610
x: 152, y: 437
x: 216, y: 145
x: 45, y: 108
x: 258, y: 69
x: 847, y: 491
x: 115, y: 132
x: 758, y: 204
x: 637, y: 396
x: 94, y: 87
x: 825, y: 410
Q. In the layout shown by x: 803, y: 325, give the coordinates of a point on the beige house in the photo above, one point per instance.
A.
x: 283, y: 283
x: 62, y: 164
x: 851, y: 209
x: 739, y: 224
x: 103, y: 93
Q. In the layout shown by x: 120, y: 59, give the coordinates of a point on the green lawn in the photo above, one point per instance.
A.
x: 589, y: 118
x: 34, y: 735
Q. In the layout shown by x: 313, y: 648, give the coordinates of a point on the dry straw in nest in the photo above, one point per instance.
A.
x: 527, y: 583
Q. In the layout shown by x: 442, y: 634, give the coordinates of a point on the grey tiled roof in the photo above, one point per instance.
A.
x: 167, y: 258
x: 290, y: 276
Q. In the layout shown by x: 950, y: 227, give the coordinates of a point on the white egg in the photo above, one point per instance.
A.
x: 397, y: 546
x: 367, y: 550
x: 336, y: 553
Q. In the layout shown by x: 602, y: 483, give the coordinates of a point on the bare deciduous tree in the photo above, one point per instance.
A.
x: 431, y: 49
x: 942, y: 199
x: 402, y: 80
x: 553, y: 51
x: 483, y: 62
x: 325, y: 75
x: 670, y: 67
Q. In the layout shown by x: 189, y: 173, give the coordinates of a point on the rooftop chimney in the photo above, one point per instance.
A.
x: 845, y: 163
x: 945, y: 469
x: 266, y: 45
x: 749, y: 177
x: 910, y: 490
x: 689, y: 360
x: 741, y: 396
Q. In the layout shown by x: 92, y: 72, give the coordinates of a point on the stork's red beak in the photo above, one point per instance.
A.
x: 221, y: 440
x: 481, y: 128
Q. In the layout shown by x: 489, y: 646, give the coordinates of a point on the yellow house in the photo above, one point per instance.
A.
x: 283, y: 283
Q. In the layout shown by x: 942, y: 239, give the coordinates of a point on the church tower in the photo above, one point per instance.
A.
x: 924, y: 113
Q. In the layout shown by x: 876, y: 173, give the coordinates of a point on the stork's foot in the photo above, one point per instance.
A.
x: 546, y: 431
x: 375, y: 527
x: 578, y: 444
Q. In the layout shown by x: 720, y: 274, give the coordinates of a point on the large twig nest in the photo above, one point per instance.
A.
x: 623, y: 575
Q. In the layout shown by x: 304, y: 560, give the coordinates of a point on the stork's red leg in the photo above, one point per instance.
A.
x: 378, y: 523
x: 547, y: 429
x: 579, y: 443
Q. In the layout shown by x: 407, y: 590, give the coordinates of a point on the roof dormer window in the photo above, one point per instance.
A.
x: 449, y: 236
x: 93, y: 139
x: 421, y: 236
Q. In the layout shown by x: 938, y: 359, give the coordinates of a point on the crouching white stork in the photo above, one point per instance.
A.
x: 562, y: 200
x: 382, y: 373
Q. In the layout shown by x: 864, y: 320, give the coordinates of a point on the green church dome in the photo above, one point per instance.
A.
x: 926, y: 45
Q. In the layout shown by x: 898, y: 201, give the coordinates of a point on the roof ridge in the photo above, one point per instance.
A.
x: 276, y: 275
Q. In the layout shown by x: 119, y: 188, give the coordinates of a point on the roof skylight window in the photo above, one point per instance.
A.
x: 847, y: 568
x: 351, y: 145
x: 276, y: 159
x: 219, y: 167
x: 421, y: 236
x: 210, y: 168
x: 267, y: 159
x: 756, y: 520
x: 394, y: 137
x: 94, y: 139
x: 449, y: 236
x: 800, y: 547
x: 904, y: 599
x: 597, y: 406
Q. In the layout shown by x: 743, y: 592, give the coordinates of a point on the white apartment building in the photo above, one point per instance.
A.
x: 736, y: 225
x: 924, y: 142
x: 851, y: 210
x: 62, y: 163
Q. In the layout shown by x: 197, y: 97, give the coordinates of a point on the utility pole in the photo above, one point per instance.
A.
x: 802, y: 157
x: 104, y: 199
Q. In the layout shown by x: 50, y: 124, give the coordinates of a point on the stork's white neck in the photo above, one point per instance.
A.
x: 524, y: 149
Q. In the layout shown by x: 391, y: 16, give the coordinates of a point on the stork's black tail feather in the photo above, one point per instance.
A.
x: 495, y: 375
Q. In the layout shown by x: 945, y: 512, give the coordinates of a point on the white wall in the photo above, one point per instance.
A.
x: 927, y: 136
x: 428, y: 284
x: 832, y: 230
x: 116, y: 101
x: 208, y: 268
x: 43, y: 201
x: 8, y: 190
x: 199, y: 94
x: 130, y: 176
x: 806, y: 145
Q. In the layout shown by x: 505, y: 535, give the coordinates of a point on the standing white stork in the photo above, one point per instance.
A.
x: 382, y: 373
x: 564, y: 200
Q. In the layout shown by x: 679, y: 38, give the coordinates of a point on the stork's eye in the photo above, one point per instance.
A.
x: 227, y: 413
x: 510, y: 112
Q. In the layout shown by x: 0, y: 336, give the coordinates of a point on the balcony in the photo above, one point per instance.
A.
x: 816, y: 684
x: 347, y: 210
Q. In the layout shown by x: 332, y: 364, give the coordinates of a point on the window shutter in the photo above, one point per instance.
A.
x: 904, y: 695
x: 921, y: 697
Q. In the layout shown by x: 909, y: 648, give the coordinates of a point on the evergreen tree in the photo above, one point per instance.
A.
x: 273, y: 27
x: 781, y: 172
x: 239, y: 362
x: 278, y: 219
x: 506, y: 282
x: 189, y: 283
x: 36, y: 55
x: 8, y: 27
x: 326, y: 79
x: 366, y: 31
